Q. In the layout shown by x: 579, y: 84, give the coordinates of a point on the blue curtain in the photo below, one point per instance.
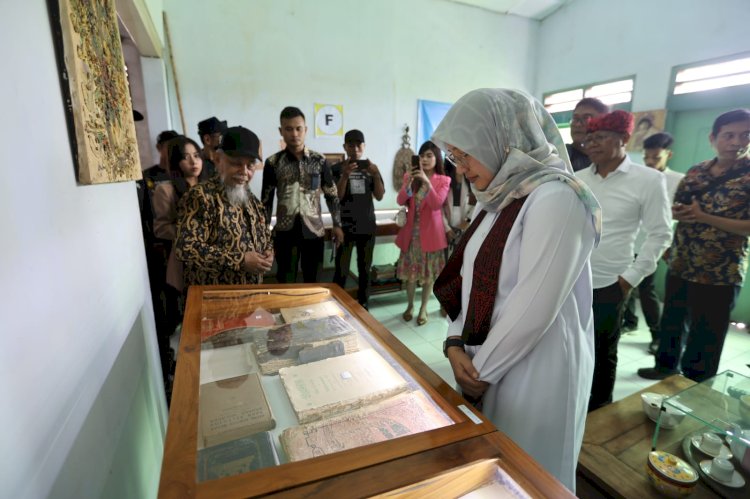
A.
x: 429, y: 115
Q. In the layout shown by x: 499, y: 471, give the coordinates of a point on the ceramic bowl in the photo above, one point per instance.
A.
x: 670, y: 475
x: 651, y: 403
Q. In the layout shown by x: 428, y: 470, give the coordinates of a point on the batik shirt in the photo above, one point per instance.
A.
x: 703, y: 253
x: 299, y: 184
x: 213, y: 235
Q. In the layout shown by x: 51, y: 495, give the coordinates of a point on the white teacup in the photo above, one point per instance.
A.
x: 722, y: 469
x: 710, y: 443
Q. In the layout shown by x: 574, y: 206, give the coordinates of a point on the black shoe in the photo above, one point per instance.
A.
x: 629, y: 327
x: 653, y: 347
x: 657, y: 373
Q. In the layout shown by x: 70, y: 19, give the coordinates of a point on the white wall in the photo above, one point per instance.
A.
x: 593, y: 40
x: 244, y: 61
x: 74, y: 289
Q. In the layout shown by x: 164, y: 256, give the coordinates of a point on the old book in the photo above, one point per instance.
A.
x: 303, y: 342
x: 228, y: 362
x: 331, y: 386
x: 258, y: 318
x: 238, y: 456
x: 233, y: 408
x: 312, y: 311
x: 403, y: 414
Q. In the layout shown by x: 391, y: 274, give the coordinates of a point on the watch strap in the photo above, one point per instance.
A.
x: 452, y: 342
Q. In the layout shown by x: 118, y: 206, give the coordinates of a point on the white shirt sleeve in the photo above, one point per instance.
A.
x: 656, y: 224
x: 556, y: 243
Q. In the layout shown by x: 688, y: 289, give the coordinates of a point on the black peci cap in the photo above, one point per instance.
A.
x: 239, y: 141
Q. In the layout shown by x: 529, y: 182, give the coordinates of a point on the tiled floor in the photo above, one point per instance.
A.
x: 427, y: 342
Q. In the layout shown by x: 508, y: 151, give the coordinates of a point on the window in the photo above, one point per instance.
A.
x: 612, y: 93
x: 699, y: 78
x: 618, y: 94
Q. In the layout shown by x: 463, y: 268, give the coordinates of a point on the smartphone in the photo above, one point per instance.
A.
x: 414, y: 161
x: 363, y: 164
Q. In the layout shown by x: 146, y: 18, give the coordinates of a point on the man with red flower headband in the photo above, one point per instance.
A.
x: 632, y: 196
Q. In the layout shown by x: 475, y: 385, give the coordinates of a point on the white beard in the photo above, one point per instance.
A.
x: 238, y: 195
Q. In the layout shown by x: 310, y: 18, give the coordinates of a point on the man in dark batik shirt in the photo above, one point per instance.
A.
x: 585, y: 110
x: 222, y: 234
x: 299, y: 175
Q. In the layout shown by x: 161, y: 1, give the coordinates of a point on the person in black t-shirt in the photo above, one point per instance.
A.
x: 358, y: 181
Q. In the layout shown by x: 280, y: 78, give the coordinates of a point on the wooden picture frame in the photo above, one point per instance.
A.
x: 334, y: 157
x: 95, y: 90
x: 646, y: 123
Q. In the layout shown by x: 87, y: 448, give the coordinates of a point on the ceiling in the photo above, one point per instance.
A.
x: 532, y: 9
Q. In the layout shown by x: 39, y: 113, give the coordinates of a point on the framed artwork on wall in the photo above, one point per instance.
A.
x: 647, y: 123
x: 334, y: 157
x: 95, y: 90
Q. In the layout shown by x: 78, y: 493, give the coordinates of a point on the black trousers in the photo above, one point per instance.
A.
x: 290, y: 247
x: 649, y: 305
x: 608, y: 306
x: 365, y: 244
x: 696, y: 318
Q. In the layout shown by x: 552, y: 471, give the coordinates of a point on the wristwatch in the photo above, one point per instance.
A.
x: 452, y: 342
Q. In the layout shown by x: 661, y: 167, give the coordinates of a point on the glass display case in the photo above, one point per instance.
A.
x: 711, y: 420
x: 280, y: 385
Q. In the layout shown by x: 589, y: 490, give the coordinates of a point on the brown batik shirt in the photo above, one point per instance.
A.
x: 213, y: 235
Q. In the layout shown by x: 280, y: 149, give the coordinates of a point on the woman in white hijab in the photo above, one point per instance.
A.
x: 518, y: 286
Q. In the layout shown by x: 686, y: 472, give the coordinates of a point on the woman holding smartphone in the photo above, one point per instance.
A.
x: 422, y: 240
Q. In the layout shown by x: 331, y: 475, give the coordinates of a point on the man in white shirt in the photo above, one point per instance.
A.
x: 656, y: 154
x: 632, y: 196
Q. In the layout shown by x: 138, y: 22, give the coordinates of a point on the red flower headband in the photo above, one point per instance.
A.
x: 616, y: 121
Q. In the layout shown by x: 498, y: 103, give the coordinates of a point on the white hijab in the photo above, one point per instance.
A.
x: 512, y: 135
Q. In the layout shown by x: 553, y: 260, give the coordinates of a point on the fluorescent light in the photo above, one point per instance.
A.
x: 616, y: 87
x: 567, y: 96
x: 616, y: 98
x: 714, y: 70
x: 712, y: 83
x: 562, y: 107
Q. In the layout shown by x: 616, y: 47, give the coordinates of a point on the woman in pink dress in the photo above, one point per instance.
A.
x: 422, y: 240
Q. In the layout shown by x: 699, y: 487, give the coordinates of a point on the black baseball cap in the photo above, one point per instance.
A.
x: 239, y: 141
x: 211, y: 125
x: 354, y: 136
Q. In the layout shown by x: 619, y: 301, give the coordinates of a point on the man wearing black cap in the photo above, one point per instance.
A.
x: 299, y: 175
x: 222, y: 234
x: 210, y: 131
x: 358, y: 181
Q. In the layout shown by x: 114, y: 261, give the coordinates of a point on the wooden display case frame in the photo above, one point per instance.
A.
x: 179, y: 477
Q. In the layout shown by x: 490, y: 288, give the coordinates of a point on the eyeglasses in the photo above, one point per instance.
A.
x: 598, y: 137
x: 580, y: 120
x: 458, y: 160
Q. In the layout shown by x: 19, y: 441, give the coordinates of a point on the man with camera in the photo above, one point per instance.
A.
x: 358, y: 181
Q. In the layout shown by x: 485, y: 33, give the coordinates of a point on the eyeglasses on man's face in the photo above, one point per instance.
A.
x: 598, y: 137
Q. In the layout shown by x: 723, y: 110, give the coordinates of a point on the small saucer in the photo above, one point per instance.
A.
x: 724, y: 452
x: 737, y: 480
